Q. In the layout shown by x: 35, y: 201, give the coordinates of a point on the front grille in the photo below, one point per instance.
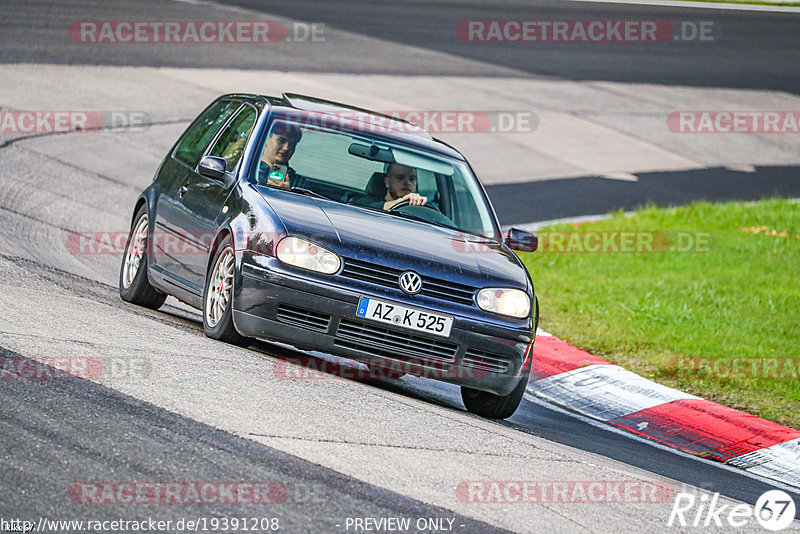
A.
x: 485, y: 361
x: 370, y: 272
x: 303, y: 318
x: 442, y: 289
x: 392, y: 343
x: 388, y: 277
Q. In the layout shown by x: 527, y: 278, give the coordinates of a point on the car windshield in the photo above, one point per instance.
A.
x: 352, y: 168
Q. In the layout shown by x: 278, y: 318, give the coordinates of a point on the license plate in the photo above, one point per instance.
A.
x: 413, y: 319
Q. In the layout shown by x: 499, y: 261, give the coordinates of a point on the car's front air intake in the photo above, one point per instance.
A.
x: 392, y: 343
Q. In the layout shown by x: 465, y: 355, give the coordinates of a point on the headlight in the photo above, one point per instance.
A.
x: 307, y: 255
x: 512, y: 302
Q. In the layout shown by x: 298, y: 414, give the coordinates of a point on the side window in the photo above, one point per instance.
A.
x: 230, y: 144
x: 201, y: 132
x: 426, y: 184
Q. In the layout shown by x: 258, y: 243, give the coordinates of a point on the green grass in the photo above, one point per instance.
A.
x: 642, y: 310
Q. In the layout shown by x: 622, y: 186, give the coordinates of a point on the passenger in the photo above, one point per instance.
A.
x: 273, y: 169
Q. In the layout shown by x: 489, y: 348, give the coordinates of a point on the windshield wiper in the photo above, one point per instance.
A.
x: 418, y: 218
x: 309, y: 192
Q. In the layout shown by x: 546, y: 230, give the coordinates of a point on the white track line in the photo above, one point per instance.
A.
x: 531, y: 396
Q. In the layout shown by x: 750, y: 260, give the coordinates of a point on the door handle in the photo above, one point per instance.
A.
x: 182, y: 191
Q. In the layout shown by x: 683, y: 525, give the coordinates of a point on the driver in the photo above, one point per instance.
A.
x: 401, y: 184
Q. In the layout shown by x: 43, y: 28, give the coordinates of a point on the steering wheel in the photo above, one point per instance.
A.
x: 433, y: 214
x: 406, y: 202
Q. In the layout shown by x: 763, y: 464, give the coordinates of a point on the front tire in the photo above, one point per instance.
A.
x: 134, y: 287
x: 494, y: 406
x: 218, y: 297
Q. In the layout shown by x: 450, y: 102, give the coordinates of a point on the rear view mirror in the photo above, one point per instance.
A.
x: 521, y: 240
x: 212, y: 167
x: 373, y: 152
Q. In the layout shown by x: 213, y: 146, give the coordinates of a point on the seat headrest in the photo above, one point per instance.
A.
x: 376, y: 186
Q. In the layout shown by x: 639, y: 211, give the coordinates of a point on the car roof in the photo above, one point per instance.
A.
x: 303, y: 107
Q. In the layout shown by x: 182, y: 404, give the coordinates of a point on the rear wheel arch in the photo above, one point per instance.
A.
x: 134, y: 285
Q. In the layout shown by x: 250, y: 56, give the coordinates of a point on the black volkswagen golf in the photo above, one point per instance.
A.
x: 340, y: 230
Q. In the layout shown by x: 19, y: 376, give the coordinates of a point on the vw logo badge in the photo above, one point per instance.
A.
x: 410, y: 282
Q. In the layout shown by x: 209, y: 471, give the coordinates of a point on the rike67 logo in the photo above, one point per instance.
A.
x: 774, y: 510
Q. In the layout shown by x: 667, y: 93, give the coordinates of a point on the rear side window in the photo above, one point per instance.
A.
x: 202, y: 131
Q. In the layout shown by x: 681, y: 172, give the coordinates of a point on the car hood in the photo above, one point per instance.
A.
x: 379, y: 237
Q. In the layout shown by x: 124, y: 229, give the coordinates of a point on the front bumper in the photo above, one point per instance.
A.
x: 272, y: 302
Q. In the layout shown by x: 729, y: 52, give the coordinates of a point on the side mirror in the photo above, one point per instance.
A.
x: 212, y: 167
x: 521, y: 240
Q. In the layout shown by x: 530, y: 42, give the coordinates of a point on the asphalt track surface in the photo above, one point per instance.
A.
x: 60, y: 437
x: 595, y: 195
x: 749, y: 50
x: 58, y: 432
x: 752, y: 50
